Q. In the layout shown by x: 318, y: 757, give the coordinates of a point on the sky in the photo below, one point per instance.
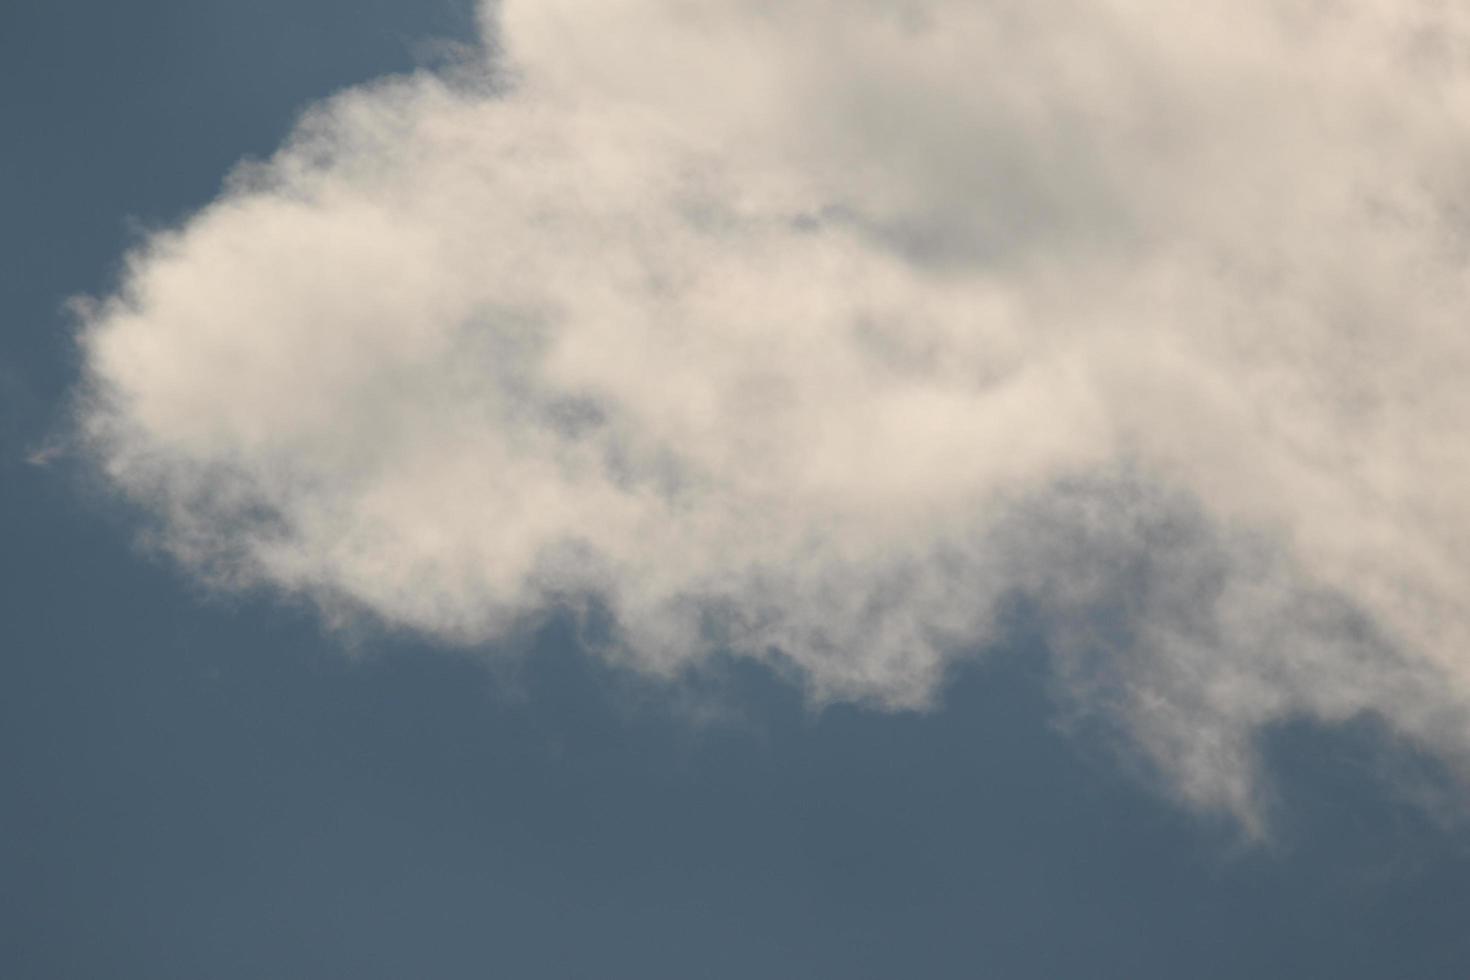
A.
x: 710, y: 489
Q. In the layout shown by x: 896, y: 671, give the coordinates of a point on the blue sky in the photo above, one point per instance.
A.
x: 216, y: 769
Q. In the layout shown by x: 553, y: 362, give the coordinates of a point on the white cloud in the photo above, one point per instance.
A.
x: 825, y: 328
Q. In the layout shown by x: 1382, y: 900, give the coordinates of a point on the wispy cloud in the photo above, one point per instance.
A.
x: 824, y: 329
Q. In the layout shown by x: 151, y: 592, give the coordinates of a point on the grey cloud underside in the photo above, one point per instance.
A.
x: 824, y: 331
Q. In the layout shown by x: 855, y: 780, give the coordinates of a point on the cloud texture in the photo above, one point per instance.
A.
x: 822, y: 331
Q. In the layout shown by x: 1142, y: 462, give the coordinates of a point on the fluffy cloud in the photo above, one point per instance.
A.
x: 821, y: 332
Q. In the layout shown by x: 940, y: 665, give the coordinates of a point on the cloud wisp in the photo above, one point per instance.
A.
x: 821, y: 331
